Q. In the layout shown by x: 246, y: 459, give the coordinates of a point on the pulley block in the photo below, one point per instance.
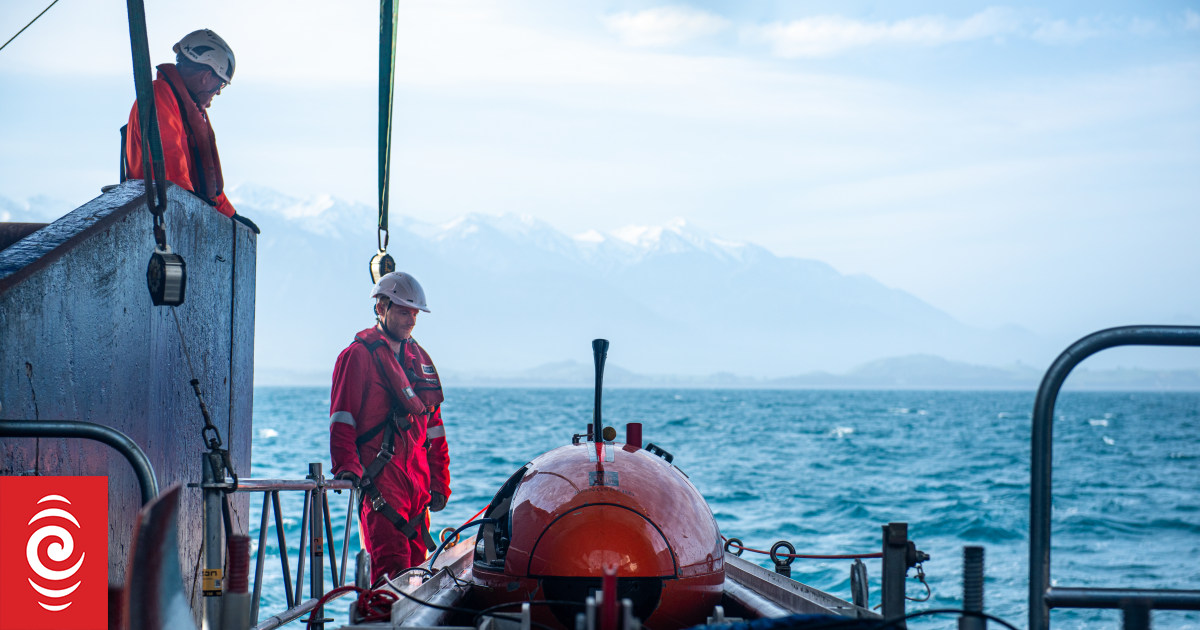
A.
x: 381, y: 265
x: 166, y: 277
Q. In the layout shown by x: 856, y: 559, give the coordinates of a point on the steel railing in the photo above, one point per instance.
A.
x: 1136, y: 603
x: 316, y: 537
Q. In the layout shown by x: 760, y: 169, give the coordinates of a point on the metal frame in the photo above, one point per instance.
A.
x: 316, y: 533
x: 1136, y: 603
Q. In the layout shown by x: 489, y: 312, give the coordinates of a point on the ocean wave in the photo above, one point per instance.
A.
x: 777, y: 470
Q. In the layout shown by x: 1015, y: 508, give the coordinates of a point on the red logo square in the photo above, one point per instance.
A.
x: 54, y: 553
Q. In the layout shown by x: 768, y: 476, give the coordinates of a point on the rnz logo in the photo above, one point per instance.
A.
x: 61, y: 550
x: 54, y: 547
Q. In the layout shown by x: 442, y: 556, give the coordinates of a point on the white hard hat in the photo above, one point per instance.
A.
x: 402, y: 289
x: 206, y: 47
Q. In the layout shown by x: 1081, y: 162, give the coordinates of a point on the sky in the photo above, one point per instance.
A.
x: 1016, y: 163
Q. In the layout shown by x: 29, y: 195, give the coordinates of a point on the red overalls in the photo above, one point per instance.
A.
x: 360, y: 403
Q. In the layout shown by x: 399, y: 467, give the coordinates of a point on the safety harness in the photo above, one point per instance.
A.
x: 397, y: 422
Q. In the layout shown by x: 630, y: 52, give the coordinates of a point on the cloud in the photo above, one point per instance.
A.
x: 1070, y: 32
x: 825, y: 36
x: 1191, y: 20
x: 664, y: 26
x: 1065, y: 32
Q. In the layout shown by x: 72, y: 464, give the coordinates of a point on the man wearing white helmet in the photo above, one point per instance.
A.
x: 385, y: 428
x: 203, y: 66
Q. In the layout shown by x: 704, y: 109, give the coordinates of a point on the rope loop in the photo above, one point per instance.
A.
x: 214, y: 442
x: 157, y: 200
x: 788, y: 558
x: 928, y: 591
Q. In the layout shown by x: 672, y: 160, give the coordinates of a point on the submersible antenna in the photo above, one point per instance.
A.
x: 599, y: 353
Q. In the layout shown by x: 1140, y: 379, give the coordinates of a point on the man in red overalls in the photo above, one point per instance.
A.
x: 183, y: 91
x: 386, y: 432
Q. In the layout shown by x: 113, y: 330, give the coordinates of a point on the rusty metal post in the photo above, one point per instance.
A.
x: 1135, y: 615
x: 317, y: 546
x: 214, y: 556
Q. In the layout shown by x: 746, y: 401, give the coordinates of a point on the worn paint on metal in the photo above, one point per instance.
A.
x: 80, y: 340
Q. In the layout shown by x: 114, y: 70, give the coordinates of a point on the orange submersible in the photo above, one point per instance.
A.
x: 599, y: 516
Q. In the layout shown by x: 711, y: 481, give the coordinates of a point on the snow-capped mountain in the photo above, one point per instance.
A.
x: 511, y: 292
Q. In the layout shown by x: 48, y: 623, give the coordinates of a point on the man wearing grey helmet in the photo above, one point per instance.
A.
x: 183, y: 91
x: 385, y: 429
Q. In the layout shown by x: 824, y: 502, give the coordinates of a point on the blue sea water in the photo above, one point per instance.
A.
x: 826, y: 469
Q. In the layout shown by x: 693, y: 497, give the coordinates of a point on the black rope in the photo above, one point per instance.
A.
x: 213, y: 443
x: 388, y: 578
x: 890, y: 623
x: 28, y: 25
x: 544, y: 602
x: 438, y: 551
x: 469, y: 611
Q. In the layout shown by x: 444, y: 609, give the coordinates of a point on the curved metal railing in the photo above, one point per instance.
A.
x: 1136, y: 603
x: 90, y: 431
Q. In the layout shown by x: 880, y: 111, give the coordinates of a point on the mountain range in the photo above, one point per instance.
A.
x: 515, y: 301
x: 511, y: 293
x: 908, y: 372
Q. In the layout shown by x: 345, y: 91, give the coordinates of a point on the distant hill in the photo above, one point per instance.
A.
x: 511, y: 293
x: 910, y: 372
x: 517, y: 302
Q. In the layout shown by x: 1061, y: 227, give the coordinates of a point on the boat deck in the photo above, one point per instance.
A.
x: 751, y: 592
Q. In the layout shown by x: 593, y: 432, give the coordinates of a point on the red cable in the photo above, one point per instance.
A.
x: 466, y: 521
x: 807, y: 556
x: 475, y: 517
x: 373, y: 605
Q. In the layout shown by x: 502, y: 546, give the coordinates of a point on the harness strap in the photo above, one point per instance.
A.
x: 124, y: 157
x: 411, y: 528
x: 203, y: 149
x: 398, y: 418
x: 370, y: 435
x: 386, y: 452
x: 371, y: 346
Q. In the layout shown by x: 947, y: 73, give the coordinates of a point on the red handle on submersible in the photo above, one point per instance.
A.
x: 608, y: 601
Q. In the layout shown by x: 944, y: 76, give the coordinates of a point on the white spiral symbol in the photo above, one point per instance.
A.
x: 59, y: 550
